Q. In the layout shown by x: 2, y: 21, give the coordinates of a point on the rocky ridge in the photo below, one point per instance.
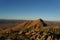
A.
x: 31, y: 30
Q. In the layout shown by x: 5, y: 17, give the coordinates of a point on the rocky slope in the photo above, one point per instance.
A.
x: 31, y: 30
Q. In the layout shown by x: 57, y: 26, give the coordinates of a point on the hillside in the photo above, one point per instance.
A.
x: 31, y: 30
x: 5, y: 24
x: 34, y: 24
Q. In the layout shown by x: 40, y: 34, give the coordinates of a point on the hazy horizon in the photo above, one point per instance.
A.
x: 30, y: 9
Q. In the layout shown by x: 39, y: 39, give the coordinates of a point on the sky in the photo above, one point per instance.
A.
x: 30, y: 9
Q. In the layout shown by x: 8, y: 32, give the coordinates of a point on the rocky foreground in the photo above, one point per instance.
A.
x: 31, y: 30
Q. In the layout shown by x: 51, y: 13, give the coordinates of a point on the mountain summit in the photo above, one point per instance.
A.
x: 31, y: 23
x: 34, y: 24
x: 31, y: 30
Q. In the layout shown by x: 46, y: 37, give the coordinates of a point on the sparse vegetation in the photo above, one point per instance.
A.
x: 32, y: 32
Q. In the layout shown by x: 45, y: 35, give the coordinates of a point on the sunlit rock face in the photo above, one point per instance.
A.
x: 34, y: 24
x: 31, y: 30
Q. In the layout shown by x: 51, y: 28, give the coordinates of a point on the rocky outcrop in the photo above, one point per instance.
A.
x: 31, y: 30
x: 33, y: 24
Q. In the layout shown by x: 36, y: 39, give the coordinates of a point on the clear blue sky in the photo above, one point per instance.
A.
x: 30, y: 9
